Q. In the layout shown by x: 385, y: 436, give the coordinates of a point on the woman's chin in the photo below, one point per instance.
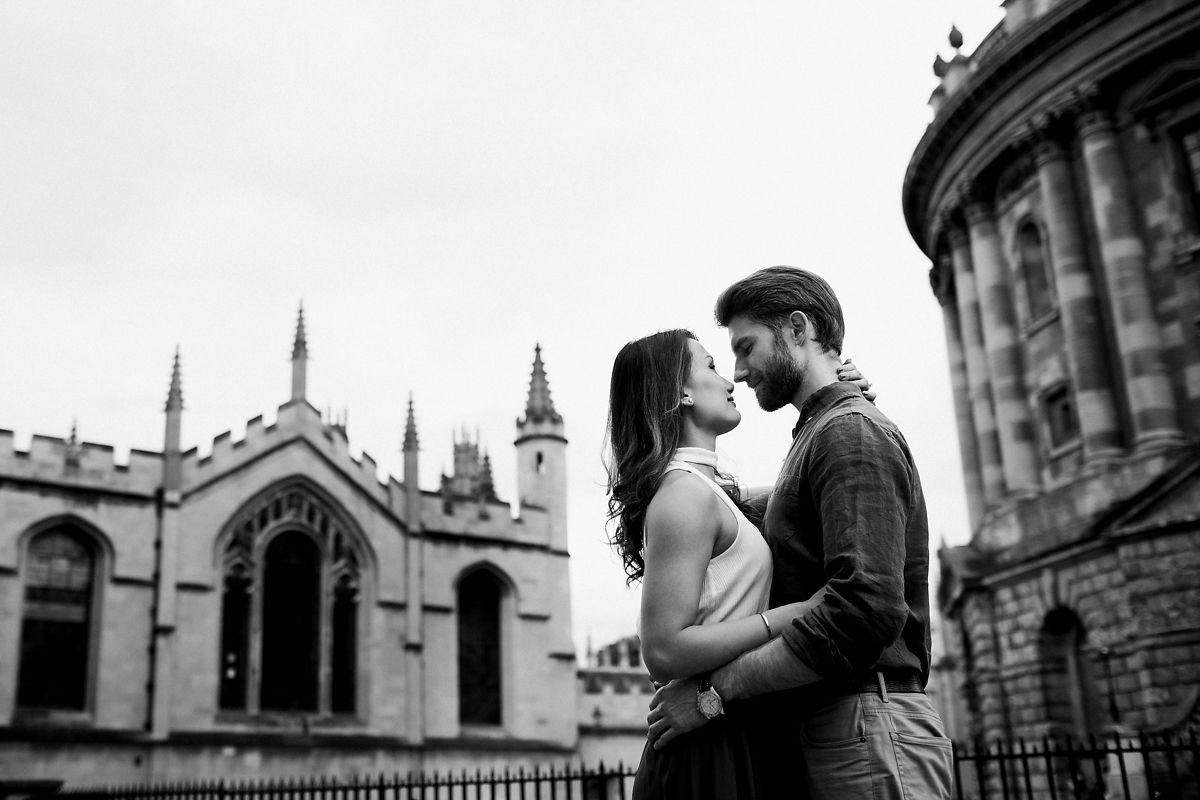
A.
x: 734, y: 421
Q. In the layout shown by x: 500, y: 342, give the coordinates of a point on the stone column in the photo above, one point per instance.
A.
x: 942, y: 277
x: 1079, y: 304
x: 979, y: 381
x: 1139, y: 337
x: 1013, y: 421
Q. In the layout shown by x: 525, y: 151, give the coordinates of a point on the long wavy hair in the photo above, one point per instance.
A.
x: 645, y: 418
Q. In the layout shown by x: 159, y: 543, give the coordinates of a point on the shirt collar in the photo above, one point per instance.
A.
x: 822, y: 399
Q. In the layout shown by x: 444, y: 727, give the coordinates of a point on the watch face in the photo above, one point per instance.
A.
x: 709, y: 703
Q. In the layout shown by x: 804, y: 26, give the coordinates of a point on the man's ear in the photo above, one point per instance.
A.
x: 797, y: 327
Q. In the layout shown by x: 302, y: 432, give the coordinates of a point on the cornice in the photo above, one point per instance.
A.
x: 1015, y: 60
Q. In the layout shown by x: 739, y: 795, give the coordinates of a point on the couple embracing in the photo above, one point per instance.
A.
x: 791, y: 655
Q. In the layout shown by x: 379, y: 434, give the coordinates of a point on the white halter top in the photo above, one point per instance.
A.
x: 737, y: 582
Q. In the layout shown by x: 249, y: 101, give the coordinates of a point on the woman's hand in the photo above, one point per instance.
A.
x: 848, y: 372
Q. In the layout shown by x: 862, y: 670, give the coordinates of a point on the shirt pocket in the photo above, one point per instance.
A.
x: 783, y: 515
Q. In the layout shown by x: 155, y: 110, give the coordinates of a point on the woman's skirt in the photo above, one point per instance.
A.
x: 714, y: 762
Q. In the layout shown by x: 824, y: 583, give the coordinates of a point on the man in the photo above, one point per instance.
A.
x: 846, y: 516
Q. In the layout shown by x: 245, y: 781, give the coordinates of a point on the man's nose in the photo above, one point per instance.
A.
x: 739, y: 373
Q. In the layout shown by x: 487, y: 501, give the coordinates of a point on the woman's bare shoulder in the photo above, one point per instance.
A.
x: 683, y: 496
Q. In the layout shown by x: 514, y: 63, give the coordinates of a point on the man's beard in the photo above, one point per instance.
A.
x: 780, y: 381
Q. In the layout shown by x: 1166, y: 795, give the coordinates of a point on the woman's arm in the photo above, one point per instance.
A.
x: 683, y: 524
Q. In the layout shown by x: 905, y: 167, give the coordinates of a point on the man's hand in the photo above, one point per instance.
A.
x: 673, y: 711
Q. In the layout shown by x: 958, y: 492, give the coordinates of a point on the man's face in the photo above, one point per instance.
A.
x: 764, y: 362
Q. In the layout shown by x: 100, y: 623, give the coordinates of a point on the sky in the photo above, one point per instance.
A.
x: 444, y: 185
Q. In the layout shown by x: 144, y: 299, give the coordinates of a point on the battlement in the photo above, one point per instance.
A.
x: 53, y: 459
x: 488, y: 519
x: 295, y: 419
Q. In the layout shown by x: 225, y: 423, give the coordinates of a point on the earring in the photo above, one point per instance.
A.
x: 686, y: 401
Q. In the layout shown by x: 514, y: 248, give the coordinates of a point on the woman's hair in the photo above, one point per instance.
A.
x: 645, y: 418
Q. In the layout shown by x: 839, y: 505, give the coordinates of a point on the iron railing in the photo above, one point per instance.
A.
x: 1116, y: 767
x: 570, y: 782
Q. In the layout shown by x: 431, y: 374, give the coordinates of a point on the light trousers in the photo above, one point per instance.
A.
x: 862, y: 747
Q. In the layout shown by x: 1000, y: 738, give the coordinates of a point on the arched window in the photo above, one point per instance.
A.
x: 1032, y: 257
x: 479, y: 649
x: 345, y: 628
x: 291, y: 623
x: 56, y: 625
x: 290, y: 614
x: 1068, y: 680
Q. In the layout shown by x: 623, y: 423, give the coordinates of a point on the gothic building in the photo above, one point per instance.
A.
x: 273, y: 608
x: 1057, y: 194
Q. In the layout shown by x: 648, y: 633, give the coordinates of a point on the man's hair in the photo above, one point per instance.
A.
x: 770, y: 295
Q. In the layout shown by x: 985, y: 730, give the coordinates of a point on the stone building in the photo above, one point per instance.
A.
x: 1057, y: 195
x: 274, y: 608
x: 614, y: 698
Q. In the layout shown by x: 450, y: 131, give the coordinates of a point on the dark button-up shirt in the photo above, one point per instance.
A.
x: 848, y: 513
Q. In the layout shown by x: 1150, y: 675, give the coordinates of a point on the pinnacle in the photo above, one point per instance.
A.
x: 300, y: 345
x: 410, y: 428
x: 540, y: 405
x: 175, y: 393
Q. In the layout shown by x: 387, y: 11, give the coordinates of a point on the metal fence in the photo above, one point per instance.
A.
x: 566, y: 783
x: 1116, y: 767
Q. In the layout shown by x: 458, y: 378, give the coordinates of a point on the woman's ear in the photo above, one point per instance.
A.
x: 687, y: 401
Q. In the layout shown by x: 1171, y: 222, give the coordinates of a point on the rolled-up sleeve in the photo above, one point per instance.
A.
x: 862, y: 484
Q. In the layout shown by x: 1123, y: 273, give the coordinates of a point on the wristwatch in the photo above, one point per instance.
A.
x: 708, y: 702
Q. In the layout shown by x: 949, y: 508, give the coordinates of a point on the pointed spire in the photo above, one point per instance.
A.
x: 300, y: 344
x: 175, y: 393
x: 300, y: 358
x: 410, y: 429
x: 539, y: 405
x: 173, y: 430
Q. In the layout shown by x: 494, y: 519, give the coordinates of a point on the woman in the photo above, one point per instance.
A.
x: 681, y: 529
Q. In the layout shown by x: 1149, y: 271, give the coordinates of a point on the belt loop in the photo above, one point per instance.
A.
x: 883, y: 695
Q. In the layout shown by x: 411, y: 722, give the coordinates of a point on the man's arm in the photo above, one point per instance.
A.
x: 862, y: 485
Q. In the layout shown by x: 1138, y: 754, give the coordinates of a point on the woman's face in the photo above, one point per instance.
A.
x: 712, y: 408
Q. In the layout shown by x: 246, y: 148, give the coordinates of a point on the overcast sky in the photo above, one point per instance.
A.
x: 445, y: 184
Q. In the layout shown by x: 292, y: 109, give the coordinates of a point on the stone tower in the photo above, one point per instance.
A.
x: 542, y: 455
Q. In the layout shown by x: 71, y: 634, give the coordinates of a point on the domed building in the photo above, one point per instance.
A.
x: 1057, y: 194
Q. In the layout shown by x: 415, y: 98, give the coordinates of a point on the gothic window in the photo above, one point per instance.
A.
x: 1032, y: 257
x: 479, y: 644
x: 290, y: 614
x: 345, y: 628
x: 56, y: 626
x: 1068, y: 684
x: 1058, y: 409
x: 235, y: 637
x: 291, y: 623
